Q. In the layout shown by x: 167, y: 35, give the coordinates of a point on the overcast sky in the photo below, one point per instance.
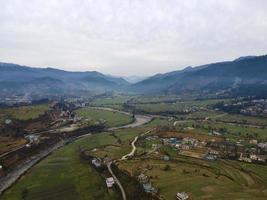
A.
x: 130, y: 37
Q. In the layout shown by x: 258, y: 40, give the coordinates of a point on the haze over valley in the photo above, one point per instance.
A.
x: 133, y: 100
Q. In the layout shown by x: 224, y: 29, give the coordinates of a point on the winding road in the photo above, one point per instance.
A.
x: 133, y: 150
x: 123, y: 193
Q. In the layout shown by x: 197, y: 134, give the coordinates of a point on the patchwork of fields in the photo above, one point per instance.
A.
x: 64, y: 175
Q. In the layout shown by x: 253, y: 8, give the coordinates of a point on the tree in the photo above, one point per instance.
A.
x: 167, y: 168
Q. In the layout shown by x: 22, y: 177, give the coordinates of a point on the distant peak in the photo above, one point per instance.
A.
x: 244, y: 58
x: 189, y: 68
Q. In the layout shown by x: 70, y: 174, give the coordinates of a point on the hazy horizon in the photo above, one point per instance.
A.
x: 126, y: 38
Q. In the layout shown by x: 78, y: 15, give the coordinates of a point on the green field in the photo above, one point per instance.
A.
x: 261, y: 121
x: 161, y: 107
x: 23, y: 112
x: 111, y: 119
x: 63, y: 175
x: 111, y: 102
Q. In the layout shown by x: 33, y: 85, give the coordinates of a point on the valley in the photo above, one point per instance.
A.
x: 133, y: 100
x: 159, y: 145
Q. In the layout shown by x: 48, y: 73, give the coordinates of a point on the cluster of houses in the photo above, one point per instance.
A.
x: 253, y: 107
x: 14, y: 99
x: 246, y: 153
x: 253, y: 152
x: 99, y: 162
x: 183, y: 144
x: 256, y: 107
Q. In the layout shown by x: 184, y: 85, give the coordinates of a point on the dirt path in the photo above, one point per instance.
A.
x: 125, y: 157
x: 133, y: 150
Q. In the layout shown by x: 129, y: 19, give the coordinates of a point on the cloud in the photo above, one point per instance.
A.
x: 129, y: 37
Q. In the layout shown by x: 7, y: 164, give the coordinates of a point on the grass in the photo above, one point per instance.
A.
x: 112, y: 119
x: 23, y: 112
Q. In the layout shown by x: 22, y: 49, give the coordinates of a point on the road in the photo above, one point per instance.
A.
x: 133, y: 150
x: 125, y: 157
x: 123, y: 194
x: 14, y: 175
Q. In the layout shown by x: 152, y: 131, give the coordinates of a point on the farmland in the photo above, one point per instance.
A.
x: 111, y: 119
x: 177, y: 106
x: 200, y: 179
x: 112, y: 101
x: 64, y: 175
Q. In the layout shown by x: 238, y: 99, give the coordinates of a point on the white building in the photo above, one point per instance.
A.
x: 96, y: 162
x: 182, y: 196
x: 110, y: 181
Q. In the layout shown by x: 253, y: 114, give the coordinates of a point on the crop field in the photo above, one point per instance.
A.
x: 231, y: 131
x: 261, y: 121
x: 205, y: 114
x: 112, y: 102
x: 63, y: 175
x: 202, y: 179
x: 173, y: 107
x: 123, y: 139
x: 155, y: 99
x: 112, y: 119
x: 23, y: 112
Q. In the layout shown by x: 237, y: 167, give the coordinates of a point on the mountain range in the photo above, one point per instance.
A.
x: 25, y: 79
x: 243, y: 76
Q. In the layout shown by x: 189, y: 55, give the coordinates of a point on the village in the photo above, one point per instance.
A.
x: 168, y: 146
x: 247, y: 106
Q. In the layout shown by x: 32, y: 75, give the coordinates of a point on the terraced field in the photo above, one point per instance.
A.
x: 202, y: 179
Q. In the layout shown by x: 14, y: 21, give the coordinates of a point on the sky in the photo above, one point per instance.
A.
x: 130, y: 37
